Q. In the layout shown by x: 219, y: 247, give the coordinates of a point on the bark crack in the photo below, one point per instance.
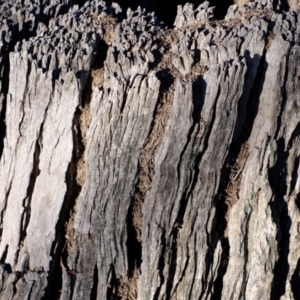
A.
x: 34, y: 174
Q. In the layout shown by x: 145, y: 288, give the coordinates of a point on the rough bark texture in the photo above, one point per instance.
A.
x: 141, y: 162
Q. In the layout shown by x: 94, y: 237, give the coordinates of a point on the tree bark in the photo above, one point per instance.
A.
x: 141, y: 162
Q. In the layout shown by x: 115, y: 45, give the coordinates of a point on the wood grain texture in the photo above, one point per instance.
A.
x: 140, y: 162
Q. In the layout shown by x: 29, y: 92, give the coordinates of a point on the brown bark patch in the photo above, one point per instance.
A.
x: 97, y: 78
x: 233, y: 187
x: 127, y: 289
x: 167, y: 39
x: 108, y: 24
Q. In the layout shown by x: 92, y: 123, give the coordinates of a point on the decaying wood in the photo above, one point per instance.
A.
x: 140, y: 162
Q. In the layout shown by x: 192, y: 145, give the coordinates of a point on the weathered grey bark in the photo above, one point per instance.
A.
x: 140, y: 162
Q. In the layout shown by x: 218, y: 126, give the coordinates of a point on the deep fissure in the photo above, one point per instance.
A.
x: 27, y: 201
x: 161, y: 264
x: 93, y: 295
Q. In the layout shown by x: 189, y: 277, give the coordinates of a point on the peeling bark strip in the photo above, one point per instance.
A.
x: 140, y: 162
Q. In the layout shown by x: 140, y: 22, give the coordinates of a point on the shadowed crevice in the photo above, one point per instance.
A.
x: 95, y: 284
x: 281, y: 219
x: 25, y: 218
x: 161, y: 264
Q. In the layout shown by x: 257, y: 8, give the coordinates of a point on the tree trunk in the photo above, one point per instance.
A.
x: 140, y: 162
